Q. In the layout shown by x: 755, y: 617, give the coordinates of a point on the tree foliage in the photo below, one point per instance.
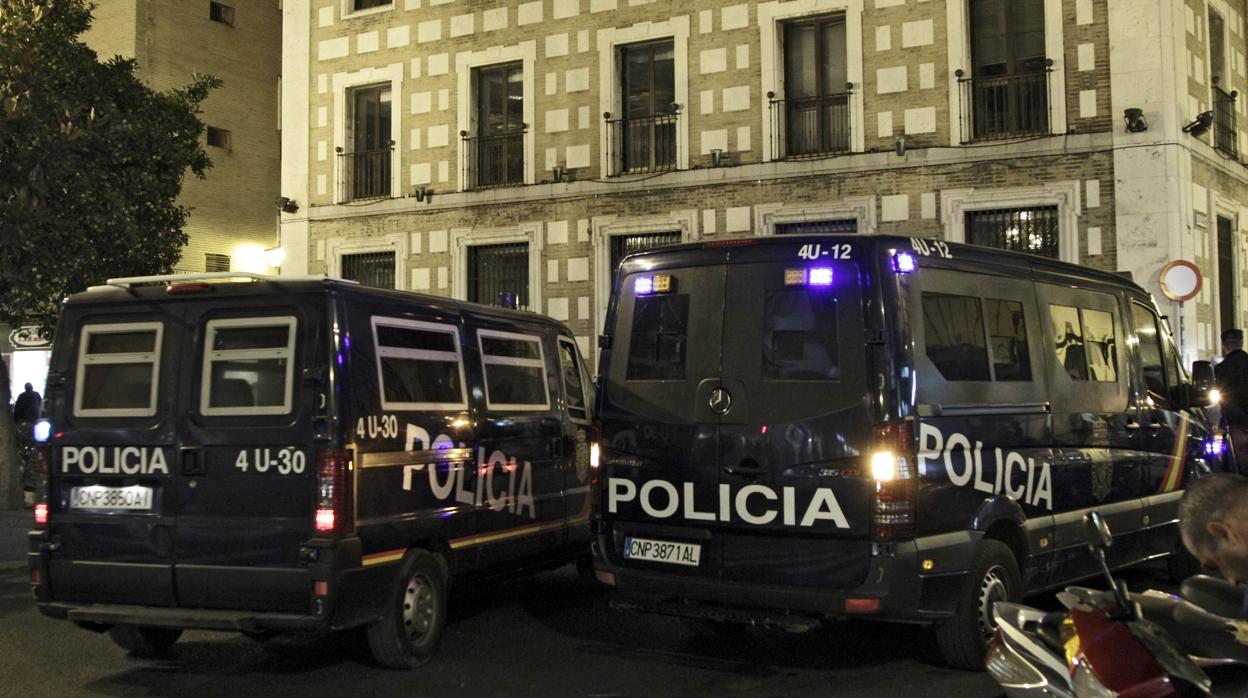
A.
x: 91, y: 162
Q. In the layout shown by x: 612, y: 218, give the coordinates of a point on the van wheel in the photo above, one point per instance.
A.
x: 143, y: 641
x: 408, y: 630
x: 993, y: 577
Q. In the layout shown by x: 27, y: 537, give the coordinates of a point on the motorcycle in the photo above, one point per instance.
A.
x: 1117, y: 643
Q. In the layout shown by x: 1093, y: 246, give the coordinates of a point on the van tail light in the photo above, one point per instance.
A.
x: 891, y: 467
x: 43, y: 464
x: 335, y: 491
x: 595, y: 454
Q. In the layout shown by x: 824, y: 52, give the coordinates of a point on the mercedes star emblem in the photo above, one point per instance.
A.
x: 721, y: 401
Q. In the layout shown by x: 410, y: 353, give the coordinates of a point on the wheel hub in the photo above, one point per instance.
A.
x: 992, y: 588
x: 418, y: 607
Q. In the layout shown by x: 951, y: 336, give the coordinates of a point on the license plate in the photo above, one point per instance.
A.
x: 662, y: 551
x: 134, y: 497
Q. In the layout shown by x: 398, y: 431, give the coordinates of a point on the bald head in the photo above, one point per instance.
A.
x: 1213, y: 520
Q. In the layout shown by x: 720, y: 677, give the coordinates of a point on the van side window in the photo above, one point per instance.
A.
x: 659, y: 337
x: 1151, y: 362
x: 419, y: 365
x: 573, y: 387
x: 1085, y: 344
x: 800, y: 336
x: 1007, y: 331
x: 248, y: 366
x: 118, y: 370
x: 953, y: 331
x: 515, y: 371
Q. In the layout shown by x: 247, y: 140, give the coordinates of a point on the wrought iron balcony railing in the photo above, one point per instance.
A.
x: 810, y: 127
x: 364, y: 174
x: 642, y: 144
x: 1225, y: 135
x: 1005, y: 106
x: 494, y: 160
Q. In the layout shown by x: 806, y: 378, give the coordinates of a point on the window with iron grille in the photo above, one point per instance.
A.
x: 497, y: 269
x: 1031, y: 230
x: 813, y: 117
x: 623, y: 245
x: 1008, y: 91
x: 840, y: 225
x: 496, y: 149
x: 219, y: 12
x: 646, y: 135
x: 1227, y: 288
x: 370, y: 268
x: 216, y: 262
x: 218, y: 137
x: 366, y: 169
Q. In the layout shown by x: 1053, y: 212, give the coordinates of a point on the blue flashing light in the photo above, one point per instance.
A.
x: 42, y: 430
x: 820, y: 276
x: 904, y: 262
x: 643, y: 286
x: 1215, y: 448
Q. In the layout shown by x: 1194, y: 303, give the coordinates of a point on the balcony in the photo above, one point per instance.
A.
x: 810, y: 127
x: 1005, y: 106
x: 364, y: 174
x: 642, y: 145
x: 496, y: 160
x: 1225, y: 136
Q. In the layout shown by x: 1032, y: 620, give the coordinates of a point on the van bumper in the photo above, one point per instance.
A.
x: 107, y: 615
x: 895, y: 580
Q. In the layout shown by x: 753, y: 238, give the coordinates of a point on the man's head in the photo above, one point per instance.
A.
x: 1213, y: 520
x: 1232, y: 340
x: 29, y: 387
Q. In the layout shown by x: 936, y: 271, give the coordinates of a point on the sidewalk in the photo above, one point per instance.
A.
x: 13, y: 528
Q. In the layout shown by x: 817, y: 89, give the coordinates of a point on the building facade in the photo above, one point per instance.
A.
x: 233, y: 216
x: 468, y: 148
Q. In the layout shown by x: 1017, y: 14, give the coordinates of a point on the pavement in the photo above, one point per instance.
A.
x: 13, y: 528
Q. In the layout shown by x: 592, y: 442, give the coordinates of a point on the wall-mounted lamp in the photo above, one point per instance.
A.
x: 1134, y: 118
x: 717, y: 157
x: 899, y: 146
x: 1200, y: 125
x: 423, y: 193
x: 558, y: 172
x: 286, y: 204
x: 275, y: 256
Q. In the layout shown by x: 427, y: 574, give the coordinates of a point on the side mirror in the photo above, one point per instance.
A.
x: 1202, y: 384
x: 1096, y: 530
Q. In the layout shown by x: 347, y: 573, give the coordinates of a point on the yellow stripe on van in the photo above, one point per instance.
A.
x: 505, y: 535
x: 1175, y: 472
x: 383, y: 557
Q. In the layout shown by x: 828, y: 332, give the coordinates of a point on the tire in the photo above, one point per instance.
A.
x: 994, y: 576
x: 407, y: 633
x: 144, y: 641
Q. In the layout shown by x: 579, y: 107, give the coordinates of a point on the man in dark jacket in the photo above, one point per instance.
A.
x: 27, y: 407
x: 1231, y: 377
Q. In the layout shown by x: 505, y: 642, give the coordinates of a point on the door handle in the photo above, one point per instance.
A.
x: 745, y: 469
x: 193, y: 461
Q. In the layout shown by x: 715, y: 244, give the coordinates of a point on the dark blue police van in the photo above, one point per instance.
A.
x: 803, y: 428
x: 301, y: 455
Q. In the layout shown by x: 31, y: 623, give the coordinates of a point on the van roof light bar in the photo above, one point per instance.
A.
x: 130, y: 281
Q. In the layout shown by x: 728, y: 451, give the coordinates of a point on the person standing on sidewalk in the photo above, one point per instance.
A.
x: 1231, y: 377
x: 28, y: 406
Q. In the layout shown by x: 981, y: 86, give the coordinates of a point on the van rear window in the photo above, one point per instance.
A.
x: 419, y: 365
x: 515, y: 371
x: 659, y: 338
x: 800, y: 336
x: 1085, y: 344
x: 118, y: 370
x: 248, y: 366
x: 953, y: 331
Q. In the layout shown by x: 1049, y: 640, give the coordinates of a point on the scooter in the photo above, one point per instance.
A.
x: 1115, y: 643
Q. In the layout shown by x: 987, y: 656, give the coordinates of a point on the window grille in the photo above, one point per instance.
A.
x: 374, y: 269
x: 498, y: 269
x: 624, y: 245
x: 216, y: 262
x: 840, y: 225
x: 1030, y: 230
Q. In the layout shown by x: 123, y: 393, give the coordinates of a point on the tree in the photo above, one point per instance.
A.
x: 92, y: 165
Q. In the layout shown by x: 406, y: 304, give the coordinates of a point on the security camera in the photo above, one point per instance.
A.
x: 286, y: 204
x: 1200, y: 125
x: 1134, y: 118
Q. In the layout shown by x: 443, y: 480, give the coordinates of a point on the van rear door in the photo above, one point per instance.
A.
x: 244, y: 491
x: 745, y: 397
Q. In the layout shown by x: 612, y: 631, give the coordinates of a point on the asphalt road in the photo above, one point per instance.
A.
x: 544, y: 635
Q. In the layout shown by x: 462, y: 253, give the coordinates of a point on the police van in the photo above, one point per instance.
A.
x: 301, y: 455
x: 802, y: 428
